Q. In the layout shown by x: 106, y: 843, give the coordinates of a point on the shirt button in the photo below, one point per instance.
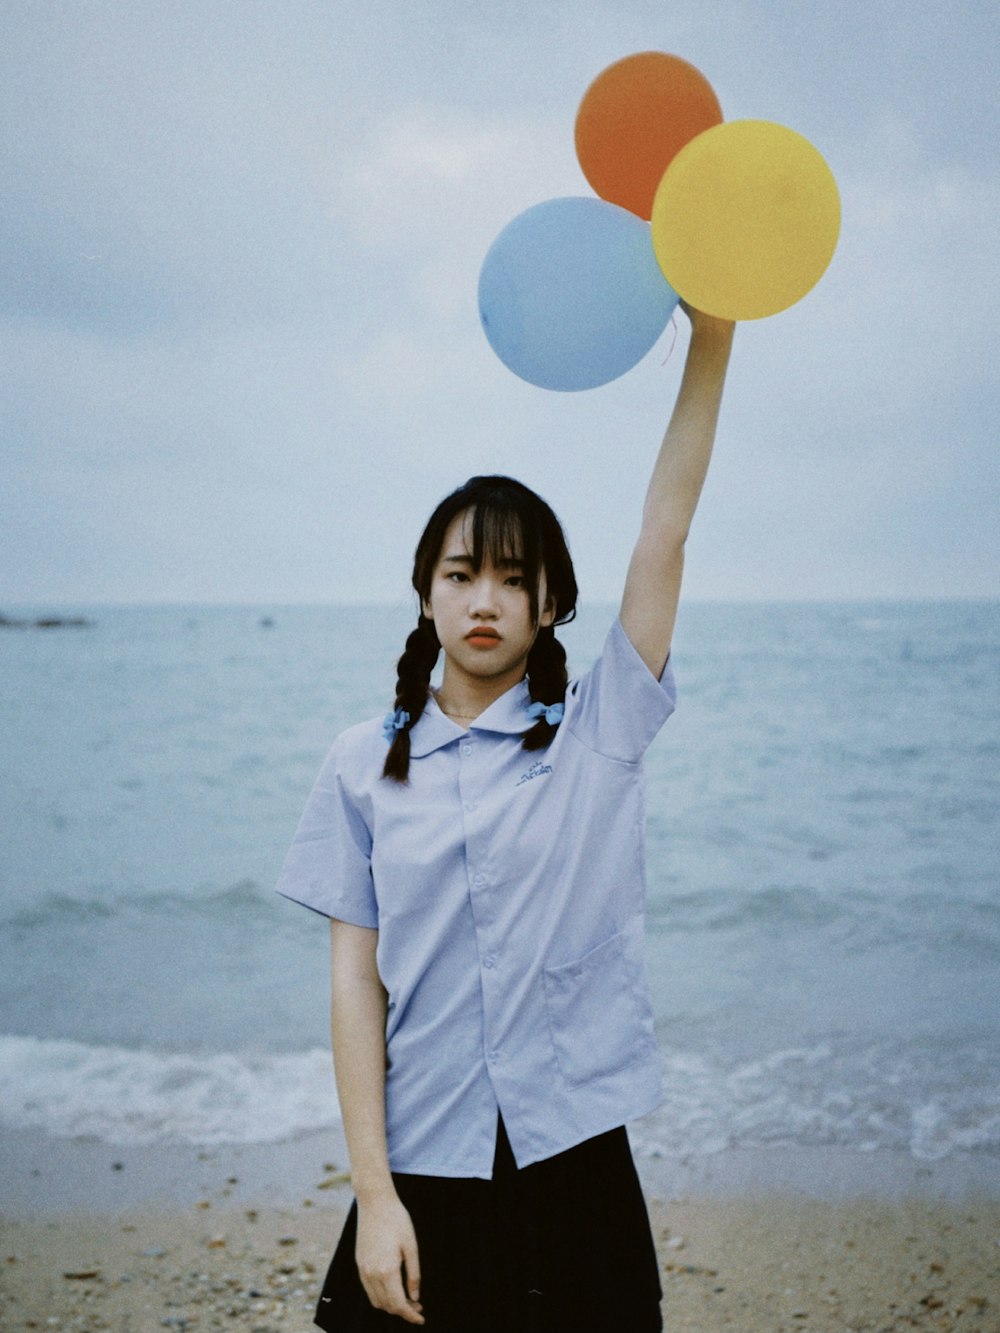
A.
x: 479, y: 881
x: 466, y: 749
x: 489, y: 961
x: 470, y: 805
x: 493, y: 1056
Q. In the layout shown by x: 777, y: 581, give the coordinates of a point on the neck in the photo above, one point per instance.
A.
x: 464, y: 697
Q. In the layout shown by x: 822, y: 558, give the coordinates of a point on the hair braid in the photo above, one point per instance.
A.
x: 547, y: 681
x: 413, y: 679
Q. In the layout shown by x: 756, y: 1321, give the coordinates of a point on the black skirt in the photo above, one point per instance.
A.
x: 561, y: 1246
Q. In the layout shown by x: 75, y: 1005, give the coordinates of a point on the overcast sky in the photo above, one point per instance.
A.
x: 240, y: 349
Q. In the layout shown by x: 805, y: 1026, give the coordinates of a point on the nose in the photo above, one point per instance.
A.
x: 484, y: 603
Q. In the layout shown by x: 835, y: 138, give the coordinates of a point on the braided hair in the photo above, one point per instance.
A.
x: 506, y: 517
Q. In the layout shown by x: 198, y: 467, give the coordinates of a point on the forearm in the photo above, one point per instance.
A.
x: 358, y: 1014
x: 682, y: 463
x: 386, y: 1247
x: 653, y: 584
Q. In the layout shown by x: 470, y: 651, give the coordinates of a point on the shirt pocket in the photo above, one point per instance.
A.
x: 594, y: 1013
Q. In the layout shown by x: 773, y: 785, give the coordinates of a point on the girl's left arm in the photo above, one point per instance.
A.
x: 653, y: 585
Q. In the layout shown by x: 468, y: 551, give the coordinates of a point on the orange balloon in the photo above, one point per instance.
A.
x: 633, y: 118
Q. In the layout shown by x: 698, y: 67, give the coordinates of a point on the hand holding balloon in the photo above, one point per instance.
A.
x: 699, y: 320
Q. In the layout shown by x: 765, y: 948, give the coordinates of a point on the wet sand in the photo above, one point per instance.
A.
x: 201, y: 1241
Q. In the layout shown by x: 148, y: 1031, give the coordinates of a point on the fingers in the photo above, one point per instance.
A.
x: 386, y: 1292
x: 699, y: 320
x: 411, y: 1267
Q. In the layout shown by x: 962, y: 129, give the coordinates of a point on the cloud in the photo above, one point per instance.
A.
x: 423, y: 193
x: 244, y: 249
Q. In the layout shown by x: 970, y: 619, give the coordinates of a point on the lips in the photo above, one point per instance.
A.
x: 483, y: 635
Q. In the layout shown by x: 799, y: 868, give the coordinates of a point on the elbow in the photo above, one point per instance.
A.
x: 664, y: 535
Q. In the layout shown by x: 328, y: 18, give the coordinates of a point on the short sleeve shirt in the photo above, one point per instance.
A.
x: 508, y: 890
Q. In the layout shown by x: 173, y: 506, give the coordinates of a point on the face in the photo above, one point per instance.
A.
x: 482, y: 617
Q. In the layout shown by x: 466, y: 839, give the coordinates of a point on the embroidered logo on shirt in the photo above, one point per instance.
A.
x: 537, y: 770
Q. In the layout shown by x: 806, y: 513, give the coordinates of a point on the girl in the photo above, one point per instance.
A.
x: 479, y: 855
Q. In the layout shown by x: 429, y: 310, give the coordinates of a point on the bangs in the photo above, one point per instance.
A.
x: 504, y: 535
x: 499, y: 535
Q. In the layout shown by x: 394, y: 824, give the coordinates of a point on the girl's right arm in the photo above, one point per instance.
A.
x: 653, y: 584
x: 387, y: 1245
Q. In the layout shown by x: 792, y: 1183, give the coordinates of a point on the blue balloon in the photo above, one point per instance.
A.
x: 571, y: 295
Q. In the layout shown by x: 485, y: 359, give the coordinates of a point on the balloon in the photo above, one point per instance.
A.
x: 746, y: 219
x: 634, y: 118
x: 570, y: 294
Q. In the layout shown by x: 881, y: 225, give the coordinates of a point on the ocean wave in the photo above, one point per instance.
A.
x: 71, y: 1089
x: 732, y: 909
x: 823, y: 1095
x: 861, y: 919
x: 246, y: 896
x: 940, y: 1128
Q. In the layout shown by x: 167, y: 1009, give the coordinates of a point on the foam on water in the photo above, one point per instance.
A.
x: 820, y: 1096
x: 870, y: 1097
x: 70, y: 1089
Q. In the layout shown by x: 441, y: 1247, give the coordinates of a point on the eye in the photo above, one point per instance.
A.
x: 457, y: 576
x: 516, y: 581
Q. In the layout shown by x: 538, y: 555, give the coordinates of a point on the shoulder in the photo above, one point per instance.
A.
x: 362, y: 739
x: 618, y: 706
x: 356, y: 754
x: 619, y: 661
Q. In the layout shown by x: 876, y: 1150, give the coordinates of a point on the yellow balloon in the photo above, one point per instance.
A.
x: 746, y: 219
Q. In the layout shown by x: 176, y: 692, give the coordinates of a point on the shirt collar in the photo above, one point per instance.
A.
x: 507, y: 715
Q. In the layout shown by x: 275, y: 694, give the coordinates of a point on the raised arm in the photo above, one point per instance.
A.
x: 653, y: 585
x: 386, y: 1249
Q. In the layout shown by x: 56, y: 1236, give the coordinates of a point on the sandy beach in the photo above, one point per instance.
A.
x: 223, y: 1239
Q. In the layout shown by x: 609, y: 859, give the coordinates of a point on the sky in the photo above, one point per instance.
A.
x: 239, y: 337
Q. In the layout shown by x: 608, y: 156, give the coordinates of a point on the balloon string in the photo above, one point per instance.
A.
x: 673, y: 342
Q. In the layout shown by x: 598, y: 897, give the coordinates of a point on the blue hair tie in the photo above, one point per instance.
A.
x: 394, y: 722
x: 553, y: 713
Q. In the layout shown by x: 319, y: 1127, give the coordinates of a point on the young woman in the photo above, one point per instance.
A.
x: 479, y: 855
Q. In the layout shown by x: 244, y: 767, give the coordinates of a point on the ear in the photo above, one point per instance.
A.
x: 548, y: 613
x: 425, y: 608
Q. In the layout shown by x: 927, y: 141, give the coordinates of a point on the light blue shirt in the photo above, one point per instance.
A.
x: 508, y: 889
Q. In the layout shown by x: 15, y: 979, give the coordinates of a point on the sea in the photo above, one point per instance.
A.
x: 823, y: 870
